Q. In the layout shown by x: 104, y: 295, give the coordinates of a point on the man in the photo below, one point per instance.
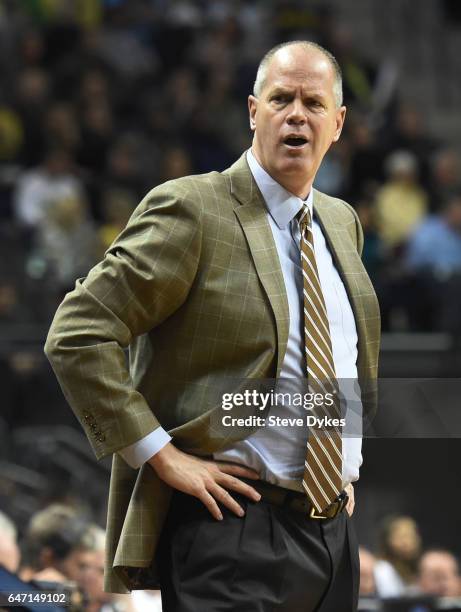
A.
x: 433, y: 261
x: 439, y: 574
x: 53, y: 545
x: 207, y: 283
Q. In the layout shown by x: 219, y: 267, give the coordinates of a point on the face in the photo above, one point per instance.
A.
x: 91, y: 578
x: 439, y: 575
x: 295, y: 118
x: 404, y: 539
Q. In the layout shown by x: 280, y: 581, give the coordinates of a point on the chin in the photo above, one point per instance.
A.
x: 296, y: 165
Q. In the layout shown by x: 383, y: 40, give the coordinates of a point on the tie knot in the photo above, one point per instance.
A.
x: 304, y: 218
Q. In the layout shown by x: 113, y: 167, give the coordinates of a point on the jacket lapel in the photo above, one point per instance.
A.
x: 252, y: 216
x: 349, y: 265
x: 339, y: 242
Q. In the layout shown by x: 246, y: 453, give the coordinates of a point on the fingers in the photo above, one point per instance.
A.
x: 351, y: 502
x: 238, y: 486
x: 213, y: 493
x: 350, y: 507
x: 215, y: 490
x: 237, y: 470
x: 211, y: 505
x: 226, y: 499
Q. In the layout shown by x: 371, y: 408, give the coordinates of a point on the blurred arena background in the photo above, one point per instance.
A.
x: 102, y: 100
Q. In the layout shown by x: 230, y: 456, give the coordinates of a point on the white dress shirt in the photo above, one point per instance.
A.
x: 278, y: 453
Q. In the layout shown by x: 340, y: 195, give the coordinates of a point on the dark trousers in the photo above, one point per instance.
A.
x: 272, y: 559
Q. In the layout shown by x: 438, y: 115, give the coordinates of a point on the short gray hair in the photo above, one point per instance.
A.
x: 261, y: 75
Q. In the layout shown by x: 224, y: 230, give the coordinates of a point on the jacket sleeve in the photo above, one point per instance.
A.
x: 144, y: 277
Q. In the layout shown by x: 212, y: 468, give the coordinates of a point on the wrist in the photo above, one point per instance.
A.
x: 162, y: 457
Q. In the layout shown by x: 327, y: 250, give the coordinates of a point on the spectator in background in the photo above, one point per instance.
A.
x: 67, y: 240
x: 366, y: 159
x: 62, y: 129
x: 31, y: 97
x: 60, y: 545
x: 359, y: 73
x: 91, y: 576
x: 445, y: 177
x: 367, y: 573
x: 176, y: 163
x: 125, y: 166
x: 401, y: 203
x: 400, y: 548
x: 410, y: 134
x: 117, y: 206
x: 97, y: 134
x: 9, y: 550
x: 435, y: 245
x: 51, y: 180
x: 439, y: 574
x: 52, y: 545
x: 433, y: 257
x: 373, y: 248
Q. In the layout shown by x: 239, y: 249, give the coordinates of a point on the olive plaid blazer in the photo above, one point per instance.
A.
x: 194, y: 287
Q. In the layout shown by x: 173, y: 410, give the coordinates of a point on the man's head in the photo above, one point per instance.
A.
x: 400, y: 539
x: 54, y: 539
x: 439, y: 574
x: 296, y: 112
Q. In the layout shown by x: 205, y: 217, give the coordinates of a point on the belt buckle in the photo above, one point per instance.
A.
x: 339, y: 505
x: 313, y: 514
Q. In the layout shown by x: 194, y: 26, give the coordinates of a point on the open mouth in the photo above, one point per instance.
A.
x: 295, y: 141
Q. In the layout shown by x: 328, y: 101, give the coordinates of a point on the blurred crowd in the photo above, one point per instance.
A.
x: 61, y: 550
x: 61, y: 547
x: 403, y: 567
x: 102, y: 100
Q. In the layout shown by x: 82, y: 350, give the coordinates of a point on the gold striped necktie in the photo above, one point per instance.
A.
x: 322, y: 478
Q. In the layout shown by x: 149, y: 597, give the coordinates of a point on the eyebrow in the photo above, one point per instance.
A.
x: 280, y: 89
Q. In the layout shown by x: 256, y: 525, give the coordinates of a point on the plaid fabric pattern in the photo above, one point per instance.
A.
x: 193, y: 287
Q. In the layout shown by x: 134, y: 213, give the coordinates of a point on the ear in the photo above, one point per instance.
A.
x: 340, y: 116
x: 252, y: 108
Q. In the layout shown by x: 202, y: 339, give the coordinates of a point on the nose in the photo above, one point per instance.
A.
x: 296, y: 115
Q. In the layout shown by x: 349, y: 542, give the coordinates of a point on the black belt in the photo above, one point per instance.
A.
x: 297, y: 501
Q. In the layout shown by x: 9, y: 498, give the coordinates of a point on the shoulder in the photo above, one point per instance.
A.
x: 342, y: 215
x: 188, y: 186
x: 335, y: 206
x: 190, y: 195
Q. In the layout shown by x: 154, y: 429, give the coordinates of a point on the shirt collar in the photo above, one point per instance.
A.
x: 282, y: 205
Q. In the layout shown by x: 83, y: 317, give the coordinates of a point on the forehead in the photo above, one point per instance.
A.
x: 296, y: 66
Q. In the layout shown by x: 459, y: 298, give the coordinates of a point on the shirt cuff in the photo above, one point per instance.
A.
x: 139, y: 452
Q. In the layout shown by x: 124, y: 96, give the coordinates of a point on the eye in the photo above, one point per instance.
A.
x: 317, y: 104
x: 279, y: 98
